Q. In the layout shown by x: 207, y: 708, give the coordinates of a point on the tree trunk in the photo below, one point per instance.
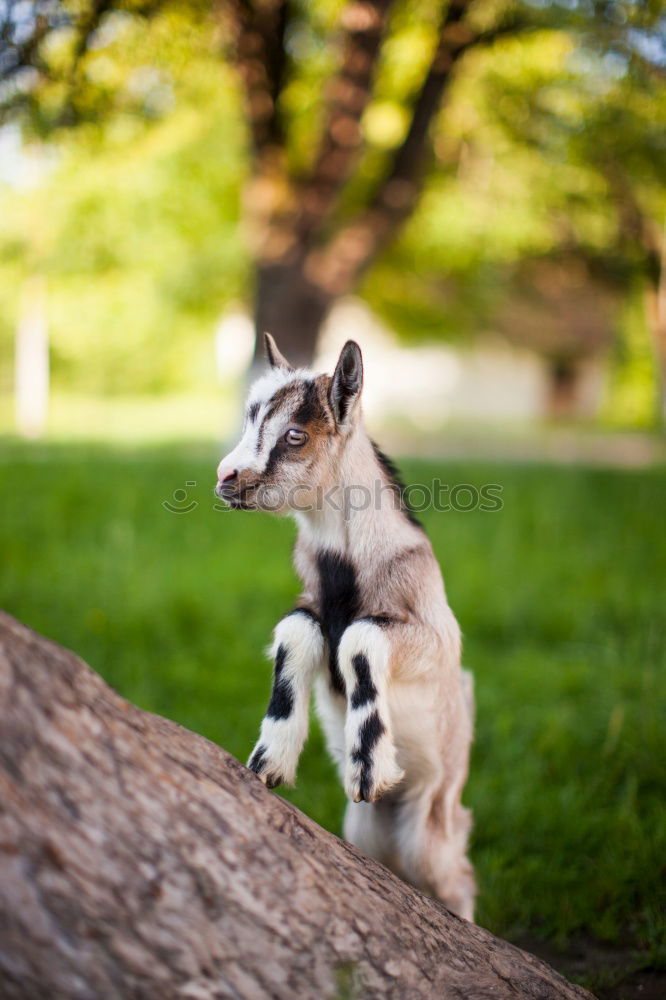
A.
x: 304, y: 259
x: 656, y: 316
x: 139, y: 860
x: 655, y: 308
x: 290, y: 307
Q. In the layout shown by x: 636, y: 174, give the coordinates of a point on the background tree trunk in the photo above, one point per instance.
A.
x: 290, y: 307
x: 656, y: 308
x: 304, y: 258
x: 139, y: 860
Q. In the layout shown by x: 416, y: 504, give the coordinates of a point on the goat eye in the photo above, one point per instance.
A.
x: 295, y: 437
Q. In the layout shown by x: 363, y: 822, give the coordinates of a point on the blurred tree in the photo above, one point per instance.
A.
x: 348, y: 105
x: 551, y: 192
x: 303, y: 261
x: 605, y: 121
x: 307, y: 252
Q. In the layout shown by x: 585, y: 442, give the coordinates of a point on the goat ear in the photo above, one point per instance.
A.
x: 347, y: 382
x: 275, y: 359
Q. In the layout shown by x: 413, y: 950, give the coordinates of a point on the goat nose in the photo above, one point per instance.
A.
x: 226, y: 475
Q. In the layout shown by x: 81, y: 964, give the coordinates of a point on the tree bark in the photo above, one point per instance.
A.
x: 259, y: 35
x: 348, y: 93
x: 302, y: 263
x: 139, y: 860
x: 290, y: 307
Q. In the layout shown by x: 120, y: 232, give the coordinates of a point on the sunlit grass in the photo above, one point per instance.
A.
x: 561, y: 599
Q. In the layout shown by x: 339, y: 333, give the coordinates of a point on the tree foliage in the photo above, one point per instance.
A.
x: 285, y: 145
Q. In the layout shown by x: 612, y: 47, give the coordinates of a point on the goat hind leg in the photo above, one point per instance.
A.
x: 432, y: 840
x: 450, y: 870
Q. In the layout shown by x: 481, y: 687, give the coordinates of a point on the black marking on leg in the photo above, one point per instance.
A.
x: 369, y: 734
x: 257, y: 764
x: 339, y: 602
x: 365, y: 690
x: 282, y: 698
x: 258, y: 759
x: 393, y: 476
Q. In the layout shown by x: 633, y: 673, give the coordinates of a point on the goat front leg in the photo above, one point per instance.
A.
x: 371, y: 767
x: 297, y: 650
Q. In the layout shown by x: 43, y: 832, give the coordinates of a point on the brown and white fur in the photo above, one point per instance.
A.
x: 372, y: 630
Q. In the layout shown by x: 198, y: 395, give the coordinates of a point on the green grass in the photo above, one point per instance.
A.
x: 560, y: 596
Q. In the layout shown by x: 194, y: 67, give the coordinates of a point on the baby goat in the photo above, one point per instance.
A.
x: 372, y: 630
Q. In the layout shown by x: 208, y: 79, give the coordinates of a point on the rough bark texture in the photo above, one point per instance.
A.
x: 139, y: 860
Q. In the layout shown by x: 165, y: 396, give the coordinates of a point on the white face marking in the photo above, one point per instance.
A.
x: 249, y: 453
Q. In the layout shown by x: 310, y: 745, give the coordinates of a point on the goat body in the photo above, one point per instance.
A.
x: 372, y: 631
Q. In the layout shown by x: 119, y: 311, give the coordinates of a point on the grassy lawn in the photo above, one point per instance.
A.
x: 561, y: 596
